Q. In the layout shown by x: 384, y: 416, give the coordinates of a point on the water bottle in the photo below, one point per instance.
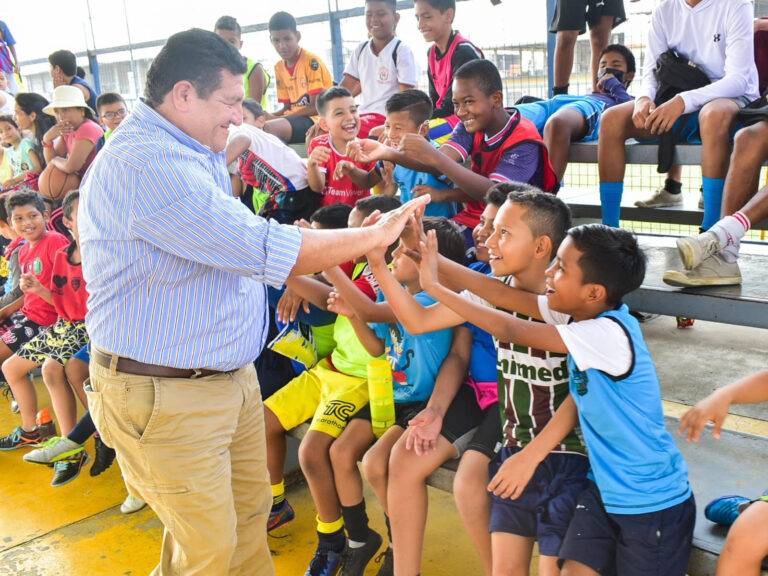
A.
x: 381, y: 397
x: 45, y: 424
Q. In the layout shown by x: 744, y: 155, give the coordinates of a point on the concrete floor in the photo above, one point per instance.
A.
x: 78, y: 529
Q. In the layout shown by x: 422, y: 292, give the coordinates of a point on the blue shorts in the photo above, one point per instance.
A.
x: 83, y: 355
x: 590, y: 108
x: 544, y: 509
x: 652, y: 544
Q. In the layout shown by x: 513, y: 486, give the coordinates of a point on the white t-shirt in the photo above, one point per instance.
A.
x: 277, y: 159
x: 378, y: 74
x: 717, y: 35
x: 10, y: 105
x: 599, y: 343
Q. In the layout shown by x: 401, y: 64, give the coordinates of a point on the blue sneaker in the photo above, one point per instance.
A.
x: 725, y: 510
x: 325, y: 563
x: 280, y: 517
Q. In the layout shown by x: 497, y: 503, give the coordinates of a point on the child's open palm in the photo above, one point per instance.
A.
x: 428, y: 265
x: 337, y: 304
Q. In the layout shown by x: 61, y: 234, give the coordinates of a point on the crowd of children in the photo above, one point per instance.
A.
x: 509, y: 345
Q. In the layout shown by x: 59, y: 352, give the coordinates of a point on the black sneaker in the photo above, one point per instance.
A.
x: 103, y: 458
x: 325, y: 563
x: 67, y: 470
x: 387, y: 561
x: 20, y: 438
x: 356, y: 559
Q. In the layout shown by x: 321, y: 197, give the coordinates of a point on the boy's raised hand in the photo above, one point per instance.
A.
x: 392, y: 223
x: 423, y: 431
x: 416, y: 146
x: 367, y: 151
x: 288, y: 306
x: 30, y: 283
x: 428, y: 276
x: 343, y: 168
x: 513, y: 476
x: 337, y: 304
x: 437, y: 194
x: 319, y: 155
x: 714, y: 408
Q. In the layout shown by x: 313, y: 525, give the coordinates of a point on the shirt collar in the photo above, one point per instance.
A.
x: 148, y: 115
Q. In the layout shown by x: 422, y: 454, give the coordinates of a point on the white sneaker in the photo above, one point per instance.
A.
x: 695, y: 249
x: 53, y: 450
x: 713, y: 271
x: 661, y: 199
x: 132, y: 504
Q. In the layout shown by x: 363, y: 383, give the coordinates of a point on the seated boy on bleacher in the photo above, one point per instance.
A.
x: 273, y: 168
x: 329, y: 393
x: 415, y: 360
x: 747, y: 543
x: 638, y: 480
x: 340, y: 119
x: 566, y: 118
x: 28, y: 217
x: 718, y: 38
x: 408, y: 112
x: 503, y: 146
x: 380, y: 66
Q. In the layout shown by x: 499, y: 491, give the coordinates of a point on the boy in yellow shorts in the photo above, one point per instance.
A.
x: 329, y: 393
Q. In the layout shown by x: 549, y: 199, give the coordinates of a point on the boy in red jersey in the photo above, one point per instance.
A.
x: 340, y: 119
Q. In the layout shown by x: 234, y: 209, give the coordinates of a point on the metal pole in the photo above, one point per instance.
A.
x: 551, y: 41
x: 93, y: 62
x: 337, y: 54
x: 130, y: 50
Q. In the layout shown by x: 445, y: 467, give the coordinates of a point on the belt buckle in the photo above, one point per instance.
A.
x: 196, y: 373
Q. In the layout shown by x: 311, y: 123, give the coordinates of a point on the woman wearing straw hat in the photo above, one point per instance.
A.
x: 70, y: 145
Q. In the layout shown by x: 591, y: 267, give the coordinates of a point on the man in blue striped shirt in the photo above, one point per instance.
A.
x: 176, y: 271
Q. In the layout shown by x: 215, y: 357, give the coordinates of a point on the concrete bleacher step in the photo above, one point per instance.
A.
x: 745, y: 304
x: 716, y: 468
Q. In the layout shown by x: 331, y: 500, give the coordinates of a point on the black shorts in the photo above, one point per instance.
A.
x: 299, y: 127
x: 462, y: 419
x: 489, y: 435
x: 545, y: 508
x: 404, y: 412
x: 20, y: 330
x: 656, y: 543
x: 577, y: 14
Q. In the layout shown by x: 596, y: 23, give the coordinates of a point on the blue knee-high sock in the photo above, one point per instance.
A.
x: 610, y: 198
x: 712, y: 189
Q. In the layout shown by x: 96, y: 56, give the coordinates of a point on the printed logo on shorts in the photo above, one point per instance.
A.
x: 339, y: 409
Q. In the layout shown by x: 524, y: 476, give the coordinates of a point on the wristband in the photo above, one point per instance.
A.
x: 47, y: 144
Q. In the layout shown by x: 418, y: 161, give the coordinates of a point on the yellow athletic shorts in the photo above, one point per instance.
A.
x: 329, y: 397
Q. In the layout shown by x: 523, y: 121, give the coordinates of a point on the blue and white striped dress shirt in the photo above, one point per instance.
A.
x: 176, y: 267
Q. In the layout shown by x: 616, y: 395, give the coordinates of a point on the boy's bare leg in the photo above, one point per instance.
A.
x: 16, y: 371
x: 344, y: 455
x: 564, y: 49
x: 408, y: 505
x: 615, y: 128
x: 512, y: 554
x: 562, y: 128
x: 715, y: 121
x: 470, y: 489
x: 76, y: 372
x: 376, y: 464
x: 62, y: 396
x: 750, y: 150
x: 279, y: 127
x: 599, y: 37
x: 746, y: 544
x: 314, y: 457
x: 276, y: 447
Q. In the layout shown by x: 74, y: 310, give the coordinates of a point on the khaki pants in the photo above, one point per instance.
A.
x: 195, y: 451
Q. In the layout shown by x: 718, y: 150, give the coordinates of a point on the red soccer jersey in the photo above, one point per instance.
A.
x: 38, y: 260
x: 343, y: 190
x: 68, y: 288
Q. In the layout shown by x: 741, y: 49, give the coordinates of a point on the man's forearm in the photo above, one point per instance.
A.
x: 323, y: 249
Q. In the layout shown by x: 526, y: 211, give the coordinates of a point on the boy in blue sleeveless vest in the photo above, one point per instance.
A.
x: 636, y: 514
x: 502, y: 145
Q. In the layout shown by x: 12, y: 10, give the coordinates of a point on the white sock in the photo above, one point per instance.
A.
x: 729, y: 231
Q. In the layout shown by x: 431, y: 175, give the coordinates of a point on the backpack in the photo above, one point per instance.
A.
x: 674, y: 74
x: 364, y: 45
